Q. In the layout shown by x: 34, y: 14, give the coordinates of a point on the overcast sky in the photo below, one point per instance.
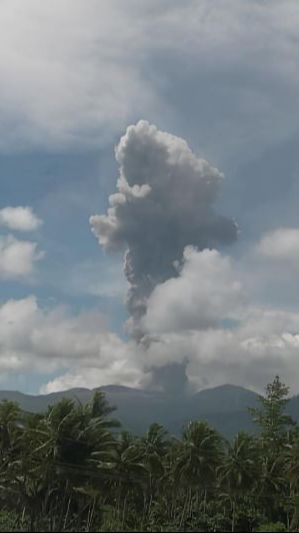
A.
x: 148, y: 192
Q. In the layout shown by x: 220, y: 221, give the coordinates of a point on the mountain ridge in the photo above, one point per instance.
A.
x: 224, y: 407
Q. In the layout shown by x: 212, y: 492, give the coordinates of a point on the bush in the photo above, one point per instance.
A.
x: 8, y: 521
x: 272, y: 526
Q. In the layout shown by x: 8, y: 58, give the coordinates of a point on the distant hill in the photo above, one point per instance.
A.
x: 224, y: 407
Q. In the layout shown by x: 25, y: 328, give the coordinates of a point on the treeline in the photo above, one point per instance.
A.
x: 74, y: 469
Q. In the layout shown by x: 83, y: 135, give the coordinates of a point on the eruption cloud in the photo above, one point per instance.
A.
x: 164, y: 202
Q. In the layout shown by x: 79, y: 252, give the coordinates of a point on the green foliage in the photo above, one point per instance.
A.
x: 271, y: 417
x: 72, y: 469
x: 8, y: 521
x: 274, y: 526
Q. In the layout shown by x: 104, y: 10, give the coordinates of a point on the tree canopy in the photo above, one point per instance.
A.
x: 73, y: 468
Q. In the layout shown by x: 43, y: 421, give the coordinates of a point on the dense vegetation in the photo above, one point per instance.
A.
x: 73, y: 469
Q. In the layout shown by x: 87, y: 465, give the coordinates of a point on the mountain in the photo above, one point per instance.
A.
x: 225, y: 407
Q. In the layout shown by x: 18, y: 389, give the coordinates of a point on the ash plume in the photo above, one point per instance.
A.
x: 164, y: 202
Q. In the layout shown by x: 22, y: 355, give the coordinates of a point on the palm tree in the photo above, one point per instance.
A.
x: 154, y: 447
x: 64, y: 443
x: 199, y: 456
x: 239, y: 472
x: 291, y: 472
x: 10, y: 425
x: 131, y: 468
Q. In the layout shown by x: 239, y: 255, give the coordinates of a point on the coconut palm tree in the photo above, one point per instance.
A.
x: 10, y: 426
x: 199, y: 456
x: 154, y: 446
x: 239, y: 472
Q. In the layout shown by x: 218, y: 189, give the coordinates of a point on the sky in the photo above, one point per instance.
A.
x: 149, y: 226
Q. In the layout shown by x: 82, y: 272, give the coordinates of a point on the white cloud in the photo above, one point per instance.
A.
x: 72, y: 86
x: 19, y: 219
x: 79, y: 84
x: 281, y: 244
x: 219, y: 334
x: 205, y: 294
x: 17, y: 258
x: 205, y: 319
x: 50, y: 340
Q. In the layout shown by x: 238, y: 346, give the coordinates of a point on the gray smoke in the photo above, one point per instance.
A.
x: 164, y: 203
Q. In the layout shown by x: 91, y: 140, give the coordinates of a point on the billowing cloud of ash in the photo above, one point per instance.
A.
x: 164, y: 202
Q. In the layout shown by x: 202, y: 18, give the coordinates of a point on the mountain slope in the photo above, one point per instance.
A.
x: 224, y: 407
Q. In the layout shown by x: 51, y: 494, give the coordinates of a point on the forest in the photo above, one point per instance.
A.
x: 74, y: 468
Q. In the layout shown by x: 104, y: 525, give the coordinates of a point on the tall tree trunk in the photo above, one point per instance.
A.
x: 233, y: 515
x: 67, y: 513
x: 205, y: 501
x: 184, y: 509
x: 124, y: 510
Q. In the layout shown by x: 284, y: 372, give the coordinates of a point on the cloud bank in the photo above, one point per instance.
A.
x: 216, y: 334
x: 72, y: 87
x: 206, y: 320
x: 77, y: 86
x: 204, y: 295
x: 54, y: 339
